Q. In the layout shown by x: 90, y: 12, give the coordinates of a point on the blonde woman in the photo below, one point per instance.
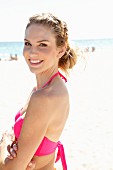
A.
x: 39, y: 125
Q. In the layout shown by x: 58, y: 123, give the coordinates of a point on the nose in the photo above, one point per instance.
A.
x: 33, y: 52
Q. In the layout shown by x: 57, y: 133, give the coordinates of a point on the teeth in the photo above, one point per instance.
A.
x: 35, y: 61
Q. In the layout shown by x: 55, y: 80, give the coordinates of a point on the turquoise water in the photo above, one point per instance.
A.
x: 7, y: 48
x: 97, y: 43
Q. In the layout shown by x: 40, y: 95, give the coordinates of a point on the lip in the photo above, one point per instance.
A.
x: 35, y: 62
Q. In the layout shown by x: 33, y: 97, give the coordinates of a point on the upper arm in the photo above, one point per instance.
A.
x: 33, y: 130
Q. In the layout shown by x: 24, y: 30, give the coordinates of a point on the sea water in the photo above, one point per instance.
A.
x: 16, y: 48
x: 8, y: 49
x: 97, y: 43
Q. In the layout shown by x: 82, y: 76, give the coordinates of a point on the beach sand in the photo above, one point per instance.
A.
x: 88, y: 134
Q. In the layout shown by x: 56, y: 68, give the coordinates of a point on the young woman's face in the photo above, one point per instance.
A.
x: 40, y: 50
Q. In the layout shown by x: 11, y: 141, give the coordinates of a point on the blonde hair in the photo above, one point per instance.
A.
x: 59, y: 28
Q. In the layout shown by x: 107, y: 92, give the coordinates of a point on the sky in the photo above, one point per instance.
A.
x: 86, y: 19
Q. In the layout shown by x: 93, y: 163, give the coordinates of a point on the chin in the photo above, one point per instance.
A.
x: 35, y: 71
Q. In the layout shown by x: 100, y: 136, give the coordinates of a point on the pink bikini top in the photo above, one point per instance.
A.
x: 46, y: 146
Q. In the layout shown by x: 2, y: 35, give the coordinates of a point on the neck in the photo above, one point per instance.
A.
x: 44, y: 77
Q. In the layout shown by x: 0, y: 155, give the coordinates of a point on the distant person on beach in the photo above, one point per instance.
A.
x: 13, y: 58
x: 39, y: 124
x: 93, y: 49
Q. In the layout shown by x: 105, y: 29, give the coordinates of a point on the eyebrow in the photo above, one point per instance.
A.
x: 37, y: 41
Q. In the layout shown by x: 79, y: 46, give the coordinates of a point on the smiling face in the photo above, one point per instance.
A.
x: 40, y: 50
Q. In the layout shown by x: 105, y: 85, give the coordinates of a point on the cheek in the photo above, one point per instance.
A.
x: 45, y: 51
x: 24, y: 52
x: 51, y: 52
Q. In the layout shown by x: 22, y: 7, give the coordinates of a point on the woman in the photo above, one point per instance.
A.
x: 42, y: 119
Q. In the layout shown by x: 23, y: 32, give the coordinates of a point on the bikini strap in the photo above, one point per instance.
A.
x: 61, y: 75
x: 50, y: 79
x: 61, y: 155
x: 56, y: 74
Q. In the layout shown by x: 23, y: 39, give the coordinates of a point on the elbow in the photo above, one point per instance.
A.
x: 2, y: 165
x: 5, y: 165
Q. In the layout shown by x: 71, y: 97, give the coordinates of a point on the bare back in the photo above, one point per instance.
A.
x: 56, y: 110
x: 59, y: 102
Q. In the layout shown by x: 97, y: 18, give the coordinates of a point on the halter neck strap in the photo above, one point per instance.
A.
x: 56, y: 74
x: 61, y: 75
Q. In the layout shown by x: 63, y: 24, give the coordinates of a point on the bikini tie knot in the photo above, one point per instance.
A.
x: 61, y: 155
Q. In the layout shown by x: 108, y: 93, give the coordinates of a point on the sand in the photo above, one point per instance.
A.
x: 88, y: 134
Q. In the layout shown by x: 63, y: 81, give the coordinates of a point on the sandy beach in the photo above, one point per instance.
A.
x: 88, y: 134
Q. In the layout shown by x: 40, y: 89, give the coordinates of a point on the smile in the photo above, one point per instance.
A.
x: 35, y: 62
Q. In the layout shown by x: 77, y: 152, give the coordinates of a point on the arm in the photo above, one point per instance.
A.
x: 33, y: 130
x: 12, y: 150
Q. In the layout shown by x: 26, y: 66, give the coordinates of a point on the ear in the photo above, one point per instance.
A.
x: 62, y: 51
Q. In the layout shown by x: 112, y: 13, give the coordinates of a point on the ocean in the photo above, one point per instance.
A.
x: 16, y: 48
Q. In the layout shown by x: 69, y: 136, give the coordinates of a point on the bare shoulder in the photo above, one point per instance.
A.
x: 44, y: 101
x: 48, y: 110
x: 39, y: 106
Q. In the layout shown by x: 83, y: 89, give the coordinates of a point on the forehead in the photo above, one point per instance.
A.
x: 39, y: 32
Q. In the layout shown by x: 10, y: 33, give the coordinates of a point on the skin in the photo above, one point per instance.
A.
x: 47, y: 109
